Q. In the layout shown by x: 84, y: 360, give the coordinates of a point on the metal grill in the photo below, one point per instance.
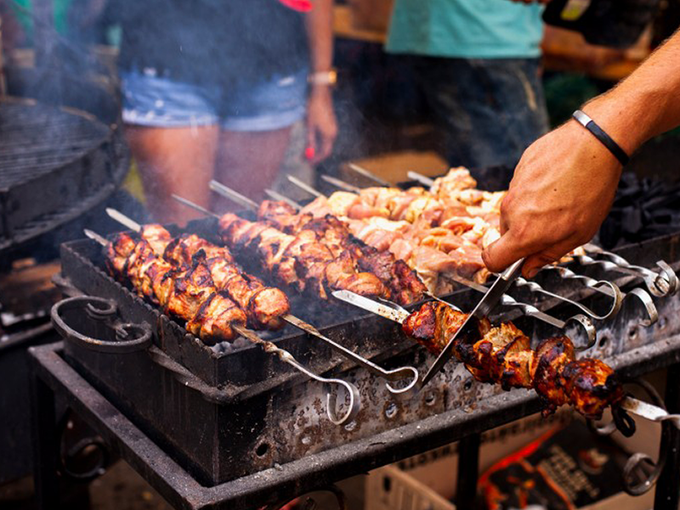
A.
x: 37, y: 138
x: 55, y: 164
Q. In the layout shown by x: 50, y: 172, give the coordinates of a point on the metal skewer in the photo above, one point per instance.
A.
x: 408, y: 373
x: 331, y: 398
x: 338, y: 183
x: 275, y: 195
x: 369, y: 174
x: 615, y: 293
x: 304, y: 186
x: 646, y: 300
x: 660, y: 284
x: 194, y: 206
x: 233, y: 195
x: 415, y: 176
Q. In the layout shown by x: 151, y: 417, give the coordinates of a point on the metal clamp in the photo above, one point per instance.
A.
x: 92, y: 323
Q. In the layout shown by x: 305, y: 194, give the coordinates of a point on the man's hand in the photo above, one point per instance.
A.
x: 561, y: 192
x: 322, y: 127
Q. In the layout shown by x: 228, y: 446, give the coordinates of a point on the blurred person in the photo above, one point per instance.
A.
x: 212, y: 88
x: 566, y: 181
x: 477, y: 62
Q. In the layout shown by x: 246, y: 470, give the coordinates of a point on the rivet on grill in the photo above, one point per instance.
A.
x: 351, y: 426
x: 632, y: 332
x: 391, y: 410
x: 468, y: 384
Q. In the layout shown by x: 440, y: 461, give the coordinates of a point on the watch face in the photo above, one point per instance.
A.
x: 298, y: 5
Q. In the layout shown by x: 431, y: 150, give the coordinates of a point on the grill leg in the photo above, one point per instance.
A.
x: 45, y: 445
x: 468, y: 467
x: 667, y: 496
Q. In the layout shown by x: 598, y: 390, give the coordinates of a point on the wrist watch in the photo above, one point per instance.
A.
x: 323, y: 77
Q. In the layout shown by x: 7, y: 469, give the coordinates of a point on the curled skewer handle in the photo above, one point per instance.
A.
x: 660, y: 284
x: 590, y: 333
x: 610, y: 289
x: 408, y: 374
x: 613, y: 289
x: 331, y: 398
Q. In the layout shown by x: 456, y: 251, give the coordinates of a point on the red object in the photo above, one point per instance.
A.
x: 310, y: 153
x: 298, y: 5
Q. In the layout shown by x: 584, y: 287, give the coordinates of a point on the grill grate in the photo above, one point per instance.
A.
x: 37, y: 138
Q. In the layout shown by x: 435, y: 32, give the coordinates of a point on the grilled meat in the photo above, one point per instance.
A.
x: 299, y: 261
x: 187, y: 293
x: 503, y: 355
x: 404, y: 285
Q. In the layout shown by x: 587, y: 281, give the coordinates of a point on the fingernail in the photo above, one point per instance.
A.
x: 310, y: 153
x: 533, y: 272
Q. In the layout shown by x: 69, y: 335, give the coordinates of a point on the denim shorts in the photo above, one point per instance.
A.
x: 158, y: 101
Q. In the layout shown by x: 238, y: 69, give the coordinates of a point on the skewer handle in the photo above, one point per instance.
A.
x: 369, y: 174
x: 304, y: 186
x: 409, y: 374
x: 331, y: 398
x: 233, y: 195
x: 425, y: 181
x: 194, y: 206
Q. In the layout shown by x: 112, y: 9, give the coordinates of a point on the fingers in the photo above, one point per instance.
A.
x: 507, y: 250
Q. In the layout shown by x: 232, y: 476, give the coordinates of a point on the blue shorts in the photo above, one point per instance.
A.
x: 155, y: 101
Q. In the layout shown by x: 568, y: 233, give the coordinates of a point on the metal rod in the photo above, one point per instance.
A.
x: 338, y: 183
x: 613, y: 310
x: 233, y: 195
x: 415, y: 176
x: 304, y: 186
x: 354, y: 404
x: 605, y: 287
x: 275, y: 195
x: 369, y: 174
x: 194, y: 206
x: 407, y: 373
x: 123, y: 219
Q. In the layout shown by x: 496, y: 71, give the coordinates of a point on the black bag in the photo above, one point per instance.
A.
x: 615, y: 23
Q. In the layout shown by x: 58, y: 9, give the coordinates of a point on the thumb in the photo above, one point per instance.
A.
x: 501, y: 253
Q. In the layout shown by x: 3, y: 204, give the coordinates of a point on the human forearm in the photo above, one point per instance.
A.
x: 646, y: 103
x: 319, y: 23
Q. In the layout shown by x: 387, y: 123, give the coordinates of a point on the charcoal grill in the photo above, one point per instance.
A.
x: 229, y: 413
x: 55, y: 164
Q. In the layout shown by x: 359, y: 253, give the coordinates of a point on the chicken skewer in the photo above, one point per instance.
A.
x: 281, y: 216
x: 604, y: 287
x: 503, y: 355
x: 407, y: 376
x: 204, y: 321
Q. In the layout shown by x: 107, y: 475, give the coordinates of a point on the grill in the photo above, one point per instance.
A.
x: 233, y: 411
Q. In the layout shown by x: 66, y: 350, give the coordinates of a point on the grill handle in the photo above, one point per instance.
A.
x: 93, y: 323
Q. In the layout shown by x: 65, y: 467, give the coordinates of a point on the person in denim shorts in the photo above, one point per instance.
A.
x: 211, y: 89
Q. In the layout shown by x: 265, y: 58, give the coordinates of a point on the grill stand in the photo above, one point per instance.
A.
x: 53, y: 376
x: 668, y: 486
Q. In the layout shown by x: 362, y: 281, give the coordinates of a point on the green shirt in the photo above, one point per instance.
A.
x: 466, y: 28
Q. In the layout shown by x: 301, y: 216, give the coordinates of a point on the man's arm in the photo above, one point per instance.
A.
x: 321, y: 124
x: 566, y: 181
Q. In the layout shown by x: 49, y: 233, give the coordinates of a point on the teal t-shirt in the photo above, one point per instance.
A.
x: 466, y: 28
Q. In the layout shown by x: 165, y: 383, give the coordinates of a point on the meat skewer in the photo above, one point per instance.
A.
x: 285, y: 218
x: 502, y: 355
x: 206, y: 314
x: 367, y: 173
x: 407, y: 375
x: 604, y: 287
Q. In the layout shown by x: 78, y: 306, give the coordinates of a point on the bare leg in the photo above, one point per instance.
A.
x: 174, y: 160
x: 249, y: 162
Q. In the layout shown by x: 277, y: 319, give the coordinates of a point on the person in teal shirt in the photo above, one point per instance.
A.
x: 477, y: 62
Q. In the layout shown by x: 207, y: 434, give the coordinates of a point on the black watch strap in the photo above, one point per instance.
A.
x: 603, y: 137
